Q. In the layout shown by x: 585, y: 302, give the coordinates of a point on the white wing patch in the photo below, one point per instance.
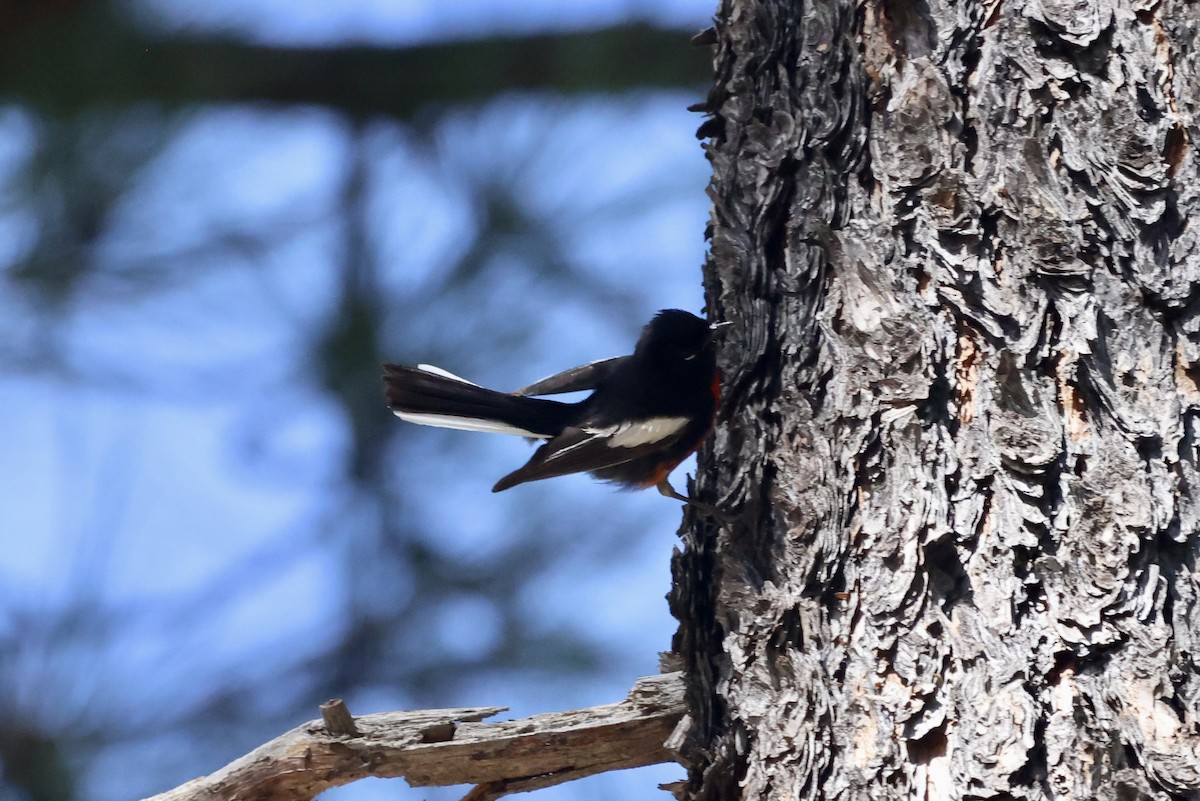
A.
x: 435, y: 370
x: 464, y: 423
x: 627, y: 435
x: 640, y: 432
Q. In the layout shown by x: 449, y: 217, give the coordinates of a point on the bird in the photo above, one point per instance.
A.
x: 647, y: 411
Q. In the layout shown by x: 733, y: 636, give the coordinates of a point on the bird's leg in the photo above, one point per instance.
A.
x: 664, y: 488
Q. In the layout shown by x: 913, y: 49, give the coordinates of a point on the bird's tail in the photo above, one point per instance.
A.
x: 431, y: 396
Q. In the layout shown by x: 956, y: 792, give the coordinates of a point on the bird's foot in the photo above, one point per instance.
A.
x: 664, y: 488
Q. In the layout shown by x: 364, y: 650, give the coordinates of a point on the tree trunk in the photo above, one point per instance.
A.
x: 958, y: 429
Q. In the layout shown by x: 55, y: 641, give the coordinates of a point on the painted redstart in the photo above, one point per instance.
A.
x: 646, y: 414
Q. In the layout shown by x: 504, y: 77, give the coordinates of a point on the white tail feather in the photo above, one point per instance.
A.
x: 435, y: 370
x: 464, y: 423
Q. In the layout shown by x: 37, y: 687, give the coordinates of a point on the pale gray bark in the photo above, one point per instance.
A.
x: 959, y: 427
x: 451, y: 746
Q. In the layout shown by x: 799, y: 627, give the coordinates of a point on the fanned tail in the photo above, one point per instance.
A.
x: 430, y: 396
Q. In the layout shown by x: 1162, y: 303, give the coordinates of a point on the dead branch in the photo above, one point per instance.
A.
x: 451, y: 746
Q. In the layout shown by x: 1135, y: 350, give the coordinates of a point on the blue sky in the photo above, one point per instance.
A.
x: 181, y: 441
x: 404, y: 21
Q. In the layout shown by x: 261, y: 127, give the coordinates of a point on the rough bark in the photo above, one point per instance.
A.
x: 451, y: 746
x: 961, y: 396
